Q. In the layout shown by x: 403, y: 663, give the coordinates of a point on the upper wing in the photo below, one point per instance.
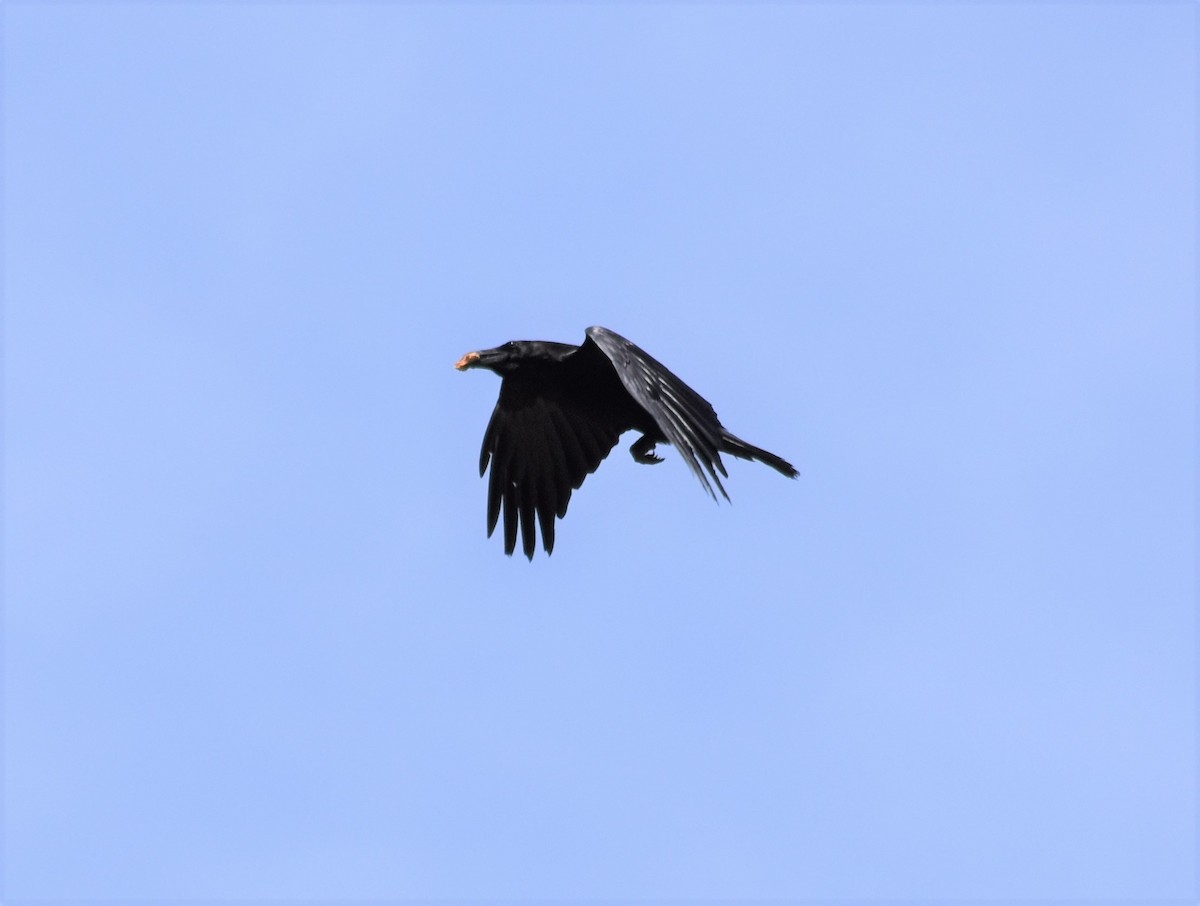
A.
x: 541, y: 445
x: 686, y: 419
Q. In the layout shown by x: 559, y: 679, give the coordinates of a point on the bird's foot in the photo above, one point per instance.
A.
x: 642, y: 450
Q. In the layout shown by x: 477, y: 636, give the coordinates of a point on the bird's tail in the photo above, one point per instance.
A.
x: 735, y: 446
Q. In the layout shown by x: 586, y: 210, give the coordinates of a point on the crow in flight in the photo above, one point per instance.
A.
x: 562, y: 409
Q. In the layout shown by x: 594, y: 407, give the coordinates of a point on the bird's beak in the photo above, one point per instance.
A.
x: 467, y: 361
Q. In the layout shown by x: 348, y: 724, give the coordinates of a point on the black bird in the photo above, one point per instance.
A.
x: 562, y: 409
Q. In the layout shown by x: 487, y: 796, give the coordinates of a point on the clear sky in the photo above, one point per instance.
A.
x: 941, y: 256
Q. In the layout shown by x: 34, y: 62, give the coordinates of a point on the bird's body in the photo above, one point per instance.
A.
x: 562, y: 408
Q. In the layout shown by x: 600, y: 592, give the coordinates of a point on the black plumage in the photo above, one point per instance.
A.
x: 562, y: 409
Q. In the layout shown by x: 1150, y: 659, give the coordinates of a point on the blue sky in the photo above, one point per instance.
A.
x: 940, y: 256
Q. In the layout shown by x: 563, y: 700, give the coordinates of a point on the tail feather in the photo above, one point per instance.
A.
x: 735, y: 446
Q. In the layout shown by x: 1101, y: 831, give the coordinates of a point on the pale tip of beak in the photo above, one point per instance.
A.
x: 467, y: 361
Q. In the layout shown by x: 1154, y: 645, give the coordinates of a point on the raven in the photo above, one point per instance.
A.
x: 561, y: 410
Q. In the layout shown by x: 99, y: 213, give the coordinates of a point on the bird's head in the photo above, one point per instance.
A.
x: 508, y: 358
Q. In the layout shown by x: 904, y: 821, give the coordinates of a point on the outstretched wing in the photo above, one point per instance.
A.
x: 686, y: 419
x: 541, y: 444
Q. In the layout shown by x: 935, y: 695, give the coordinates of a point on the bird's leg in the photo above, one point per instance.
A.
x: 642, y: 450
